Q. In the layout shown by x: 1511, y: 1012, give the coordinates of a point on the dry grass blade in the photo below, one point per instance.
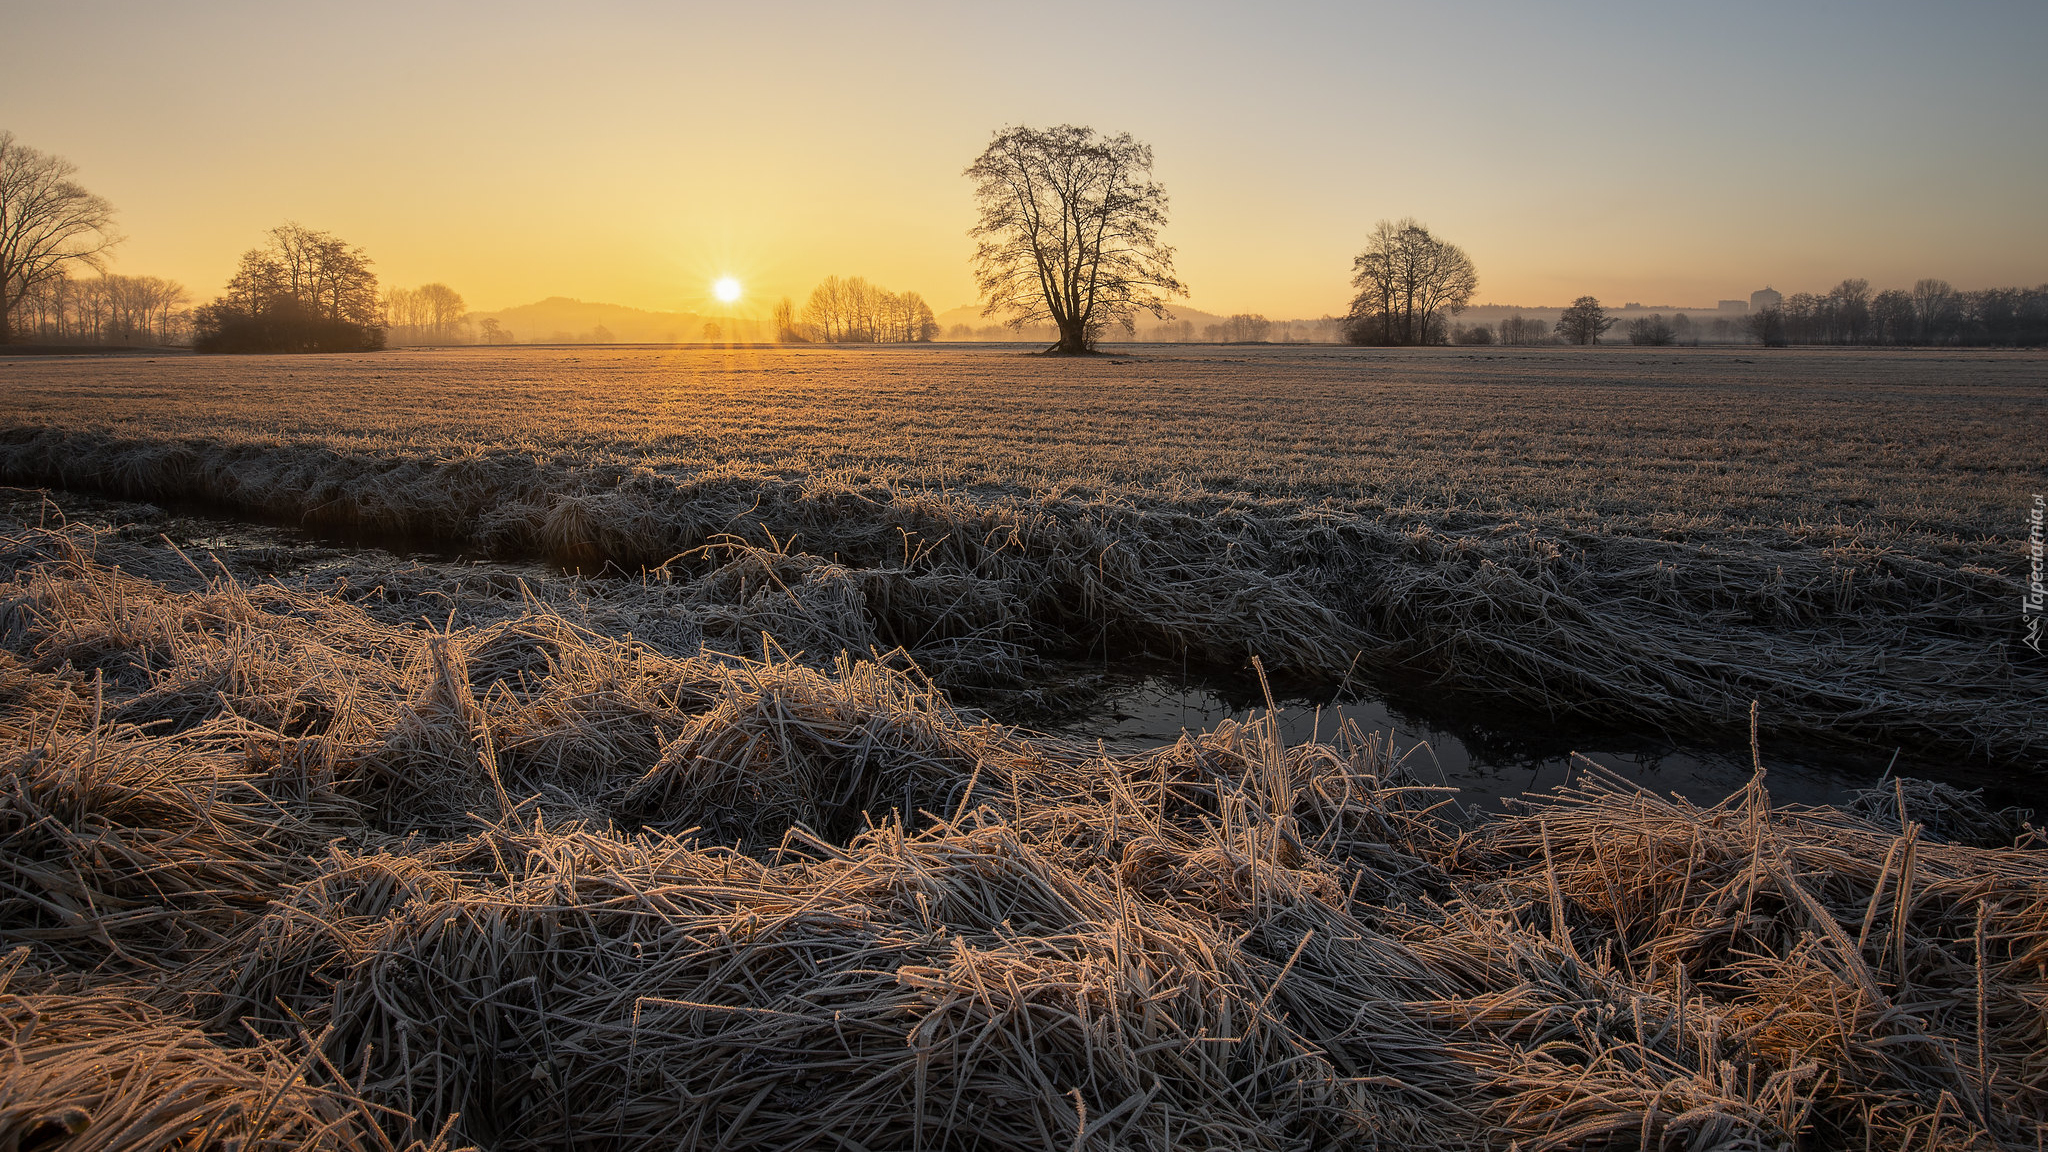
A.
x: 519, y: 883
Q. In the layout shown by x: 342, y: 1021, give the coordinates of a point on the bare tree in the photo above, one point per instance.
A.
x: 853, y: 311
x: 1934, y: 305
x: 1069, y: 232
x: 1407, y: 280
x: 106, y: 309
x: 1444, y: 279
x: 1584, y: 321
x: 318, y: 271
x: 908, y: 318
x: 302, y: 291
x: 1891, y: 317
x: 402, y: 314
x: 443, y: 309
x: 1520, y: 329
x: 1242, y: 328
x: 1849, y: 312
x: 428, y: 314
x: 834, y: 311
x: 1767, y: 326
x: 1653, y: 330
x: 786, y: 328
x: 47, y: 222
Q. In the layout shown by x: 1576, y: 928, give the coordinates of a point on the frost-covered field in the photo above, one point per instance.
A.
x: 1642, y: 537
x: 377, y: 855
x: 1929, y: 450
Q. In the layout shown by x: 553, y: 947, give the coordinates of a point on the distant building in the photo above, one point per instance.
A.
x: 1734, y: 306
x: 1767, y: 298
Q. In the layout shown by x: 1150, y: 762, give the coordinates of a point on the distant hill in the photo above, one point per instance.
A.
x: 561, y: 320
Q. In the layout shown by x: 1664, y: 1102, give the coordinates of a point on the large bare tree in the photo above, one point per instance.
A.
x: 1408, y: 281
x: 47, y: 222
x: 1069, y: 232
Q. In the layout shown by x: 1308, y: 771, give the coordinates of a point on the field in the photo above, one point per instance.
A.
x: 1642, y: 539
x: 708, y: 846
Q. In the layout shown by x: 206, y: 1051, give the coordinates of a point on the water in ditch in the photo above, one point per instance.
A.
x: 1489, y: 755
x: 1456, y: 746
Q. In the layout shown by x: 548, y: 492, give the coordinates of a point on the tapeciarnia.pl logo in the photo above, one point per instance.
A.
x: 2037, y: 578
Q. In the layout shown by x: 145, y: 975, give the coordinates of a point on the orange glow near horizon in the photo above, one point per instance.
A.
x: 1667, y: 156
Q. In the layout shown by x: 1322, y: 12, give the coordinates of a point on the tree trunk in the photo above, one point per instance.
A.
x: 6, y: 317
x: 1073, y: 337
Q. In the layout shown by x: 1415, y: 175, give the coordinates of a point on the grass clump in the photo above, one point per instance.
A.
x: 504, y: 879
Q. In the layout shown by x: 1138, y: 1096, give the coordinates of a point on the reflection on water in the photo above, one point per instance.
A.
x: 1138, y: 712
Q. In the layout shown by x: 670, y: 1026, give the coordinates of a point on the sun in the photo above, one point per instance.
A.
x: 727, y: 289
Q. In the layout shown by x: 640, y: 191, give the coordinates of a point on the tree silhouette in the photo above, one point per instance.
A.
x: 1767, y: 326
x: 1654, y: 330
x: 1069, y: 232
x: 47, y: 222
x: 303, y: 291
x: 1407, y: 280
x: 1583, y: 322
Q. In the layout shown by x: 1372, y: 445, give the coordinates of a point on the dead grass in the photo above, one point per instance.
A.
x: 1647, y: 541
x: 363, y: 882
x: 1924, y: 452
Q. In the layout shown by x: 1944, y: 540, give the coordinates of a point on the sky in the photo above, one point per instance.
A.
x: 635, y: 152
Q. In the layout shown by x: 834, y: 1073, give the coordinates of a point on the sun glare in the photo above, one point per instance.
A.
x: 727, y: 289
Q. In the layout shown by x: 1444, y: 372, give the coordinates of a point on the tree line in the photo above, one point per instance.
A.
x: 1930, y: 314
x: 853, y: 311
x: 1586, y: 321
x: 428, y: 314
x: 1068, y: 246
x: 106, y: 309
x: 301, y: 290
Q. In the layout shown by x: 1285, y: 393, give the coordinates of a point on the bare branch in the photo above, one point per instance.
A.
x: 1069, y: 232
x: 47, y: 223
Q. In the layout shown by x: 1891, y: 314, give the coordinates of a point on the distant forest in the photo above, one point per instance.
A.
x: 115, y: 310
x: 105, y: 310
x: 1931, y: 314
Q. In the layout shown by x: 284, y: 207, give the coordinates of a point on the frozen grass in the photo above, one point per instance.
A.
x: 1925, y: 451
x: 289, y: 866
x: 1639, y: 540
